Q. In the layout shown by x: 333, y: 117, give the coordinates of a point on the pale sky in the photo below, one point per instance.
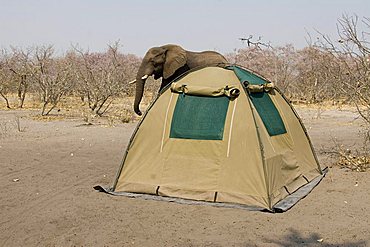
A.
x: 194, y: 24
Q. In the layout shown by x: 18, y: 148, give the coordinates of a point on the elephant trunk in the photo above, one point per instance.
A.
x: 143, y: 73
x: 138, y: 95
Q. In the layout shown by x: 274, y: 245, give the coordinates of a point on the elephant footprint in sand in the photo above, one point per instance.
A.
x: 168, y: 62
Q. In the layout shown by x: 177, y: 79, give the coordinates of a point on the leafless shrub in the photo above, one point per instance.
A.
x: 16, y: 73
x: 258, y: 43
x: 53, y: 77
x: 97, y: 78
x: 317, y: 76
x: 351, y: 54
x: 358, y: 160
x: 21, y: 67
x: 103, y: 76
x: 278, y: 64
x: 5, y: 78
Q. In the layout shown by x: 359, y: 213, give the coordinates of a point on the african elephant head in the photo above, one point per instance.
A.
x: 168, y: 62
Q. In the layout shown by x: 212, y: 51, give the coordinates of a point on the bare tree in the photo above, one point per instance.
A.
x: 256, y: 44
x: 5, y: 77
x: 102, y: 76
x: 275, y: 63
x: 317, y: 76
x: 352, y: 55
x: 53, y: 77
x: 283, y: 72
x: 20, y: 64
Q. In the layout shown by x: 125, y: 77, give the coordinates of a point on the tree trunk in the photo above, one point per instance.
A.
x: 44, y: 108
x: 100, y: 113
x: 6, y: 100
x: 22, y: 96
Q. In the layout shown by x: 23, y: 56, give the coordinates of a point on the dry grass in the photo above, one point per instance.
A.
x: 120, y: 111
x: 357, y: 160
x: 354, y: 163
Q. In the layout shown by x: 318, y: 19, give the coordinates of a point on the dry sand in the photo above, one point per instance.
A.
x: 48, y: 170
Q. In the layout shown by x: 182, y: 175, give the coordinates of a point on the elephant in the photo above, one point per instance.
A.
x: 168, y: 62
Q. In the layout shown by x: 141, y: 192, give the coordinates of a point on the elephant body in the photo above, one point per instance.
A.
x: 168, y: 62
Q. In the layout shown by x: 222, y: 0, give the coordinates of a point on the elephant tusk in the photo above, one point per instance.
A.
x: 143, y: 78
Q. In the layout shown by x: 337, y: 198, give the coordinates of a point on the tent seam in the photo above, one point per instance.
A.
x: 251, y: 106
x: 231, y: 128
x: 261, y: 146
x: 262, y: 154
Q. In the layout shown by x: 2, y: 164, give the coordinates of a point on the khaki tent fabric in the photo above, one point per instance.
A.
x: 245, y: 166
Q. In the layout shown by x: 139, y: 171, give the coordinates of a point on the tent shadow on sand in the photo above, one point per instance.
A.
x: 222, y: 135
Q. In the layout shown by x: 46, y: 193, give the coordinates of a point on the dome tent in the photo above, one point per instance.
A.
x: 224, y: 136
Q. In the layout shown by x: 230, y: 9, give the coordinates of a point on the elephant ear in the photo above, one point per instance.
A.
x: 175, y: 59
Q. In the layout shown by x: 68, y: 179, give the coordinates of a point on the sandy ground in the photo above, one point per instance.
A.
x: 48, y: 170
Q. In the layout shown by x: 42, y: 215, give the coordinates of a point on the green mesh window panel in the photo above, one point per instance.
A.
x: 268, y: 113
x: 199, y: 117
x: 244, y: 75
x: 262, y: 102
